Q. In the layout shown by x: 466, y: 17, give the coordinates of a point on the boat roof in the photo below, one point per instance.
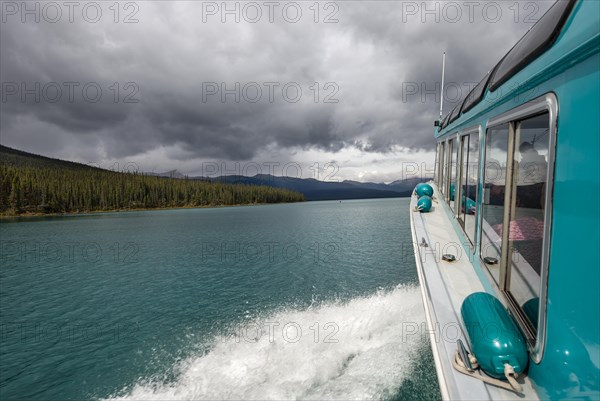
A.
x: 541, y: 37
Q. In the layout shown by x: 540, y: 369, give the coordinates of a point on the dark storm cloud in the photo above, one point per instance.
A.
x: 371, y: 56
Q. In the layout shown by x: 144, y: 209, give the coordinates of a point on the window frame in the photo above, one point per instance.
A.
x: 452, y: 138
x: 438, y: 163
x: 547, y: 103
x: 481, y: 210
x: 443, y: 156
x: 476, y: 129
x: 459, y: 177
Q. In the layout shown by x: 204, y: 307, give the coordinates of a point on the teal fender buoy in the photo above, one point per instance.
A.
x: 424, y: 204
x: 494, y: 336
x: 469, y: 205
x: 424, y: 189
x: 531, y: 309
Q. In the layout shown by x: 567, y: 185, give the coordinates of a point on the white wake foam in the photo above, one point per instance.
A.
x: 367, y: 358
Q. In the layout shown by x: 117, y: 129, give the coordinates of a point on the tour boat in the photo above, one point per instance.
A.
x: 506, y: 233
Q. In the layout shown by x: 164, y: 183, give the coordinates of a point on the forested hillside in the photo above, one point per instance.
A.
x: 37, y: 184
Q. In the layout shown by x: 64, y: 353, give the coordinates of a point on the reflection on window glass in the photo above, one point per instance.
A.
x: 452, y: 172
x: 443, y: 168
x: 464, y: 151
x: 526, y: 229
x: 469, y: 197
x: 438, y: 164
x: 494, y: 181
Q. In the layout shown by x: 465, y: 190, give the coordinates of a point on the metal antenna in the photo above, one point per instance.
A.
x: 442, y: 93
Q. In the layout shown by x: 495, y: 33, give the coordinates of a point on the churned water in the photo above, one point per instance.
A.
x: 291, y: 301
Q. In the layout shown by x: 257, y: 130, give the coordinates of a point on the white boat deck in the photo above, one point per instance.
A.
x: 444, y: 286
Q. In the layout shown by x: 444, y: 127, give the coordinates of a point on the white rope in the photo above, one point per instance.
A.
x: 511, y: 376
x: 509, y: 372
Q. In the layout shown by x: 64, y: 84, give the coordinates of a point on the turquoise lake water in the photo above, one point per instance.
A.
x: 292, y: 301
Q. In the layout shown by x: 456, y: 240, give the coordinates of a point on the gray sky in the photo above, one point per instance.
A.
x: 185, y: 86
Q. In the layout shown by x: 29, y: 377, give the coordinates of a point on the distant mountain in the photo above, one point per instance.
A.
x: 168, y: 174
x: 398, y: 185
x: 326, y: 190
x: 407, y: 184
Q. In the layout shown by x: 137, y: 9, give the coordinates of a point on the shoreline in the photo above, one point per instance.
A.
x: 143, y: 209
x: 31, y: 215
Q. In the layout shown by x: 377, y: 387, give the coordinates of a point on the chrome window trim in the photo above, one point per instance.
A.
x: 439, y: 164
x: 456, y: 173
x: 436, y: 177
x: 454, y: 137
x: 546, y: 103
x: 467, y: 132
x: 484, y: 159
x: 458, y: 183
x: 448, y: 162
x: 448, y: 165
x: 442, y: 167
x: 508, y: 197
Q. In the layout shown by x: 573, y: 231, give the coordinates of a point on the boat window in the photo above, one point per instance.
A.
x: 527, y: 214
x: 436, y: 178
x: 450, y: 176
x: 476, y: 94
x: 536, y: 41
x: 462, y: 181
x: 453, y: 146
x: 516, y: 211
x: 469, y: 176
x: 494, y: 184
x: 444, y: 122
x: 440, y: 164
x: 455, y: 113
x: 443, y: 175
